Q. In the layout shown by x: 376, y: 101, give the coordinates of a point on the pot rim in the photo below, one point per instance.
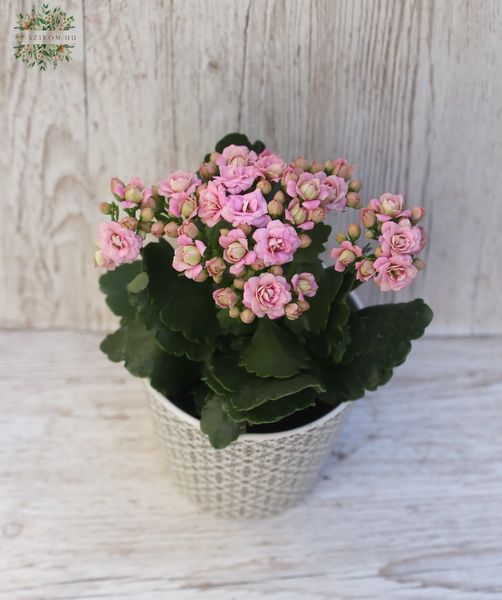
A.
x: 194, y: 422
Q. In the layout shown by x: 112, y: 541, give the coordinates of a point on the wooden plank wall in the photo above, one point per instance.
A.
x: 409, y: 90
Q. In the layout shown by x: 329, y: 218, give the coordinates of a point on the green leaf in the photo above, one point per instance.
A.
x: 175, y: 343
x: 316, y: 318
x: 138, y: 284
x: 389, y: 329
x: 220, y: 428
x: 273, y: 352
x: 319, y: 236
x: 274, y: 410
x: 237, y: 139
x: 114, y: 285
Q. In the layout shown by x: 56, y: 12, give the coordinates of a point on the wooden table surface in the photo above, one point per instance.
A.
x: 409, y: 507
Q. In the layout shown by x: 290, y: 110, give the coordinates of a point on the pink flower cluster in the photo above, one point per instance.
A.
x: 393, y: 264
x: 244, y: 216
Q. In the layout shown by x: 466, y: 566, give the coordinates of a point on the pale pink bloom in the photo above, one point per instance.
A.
x: 394, y: 272
x: 270, y: 165
x: 117, y: 245
x: 290, y: 173
x: 345, y: 255
x: 297, y: 214
x: 183, y: 206
x: 118, y: 187
x: 401, y: 238
x: 388, y: 207
x: 225, y: 297
x: 343, y: 168
x: 188, y: 256
x: 304, y: 284
x: 236, y: 251
x: 147, y: 200
x: 308, y: 188
x: 250, y: 209
x: 336, y: 188
x: 276, y: 243
x: 365, y: 270
x: 179, y: 182
x: 236, y: 156
x: 133, y: 192
x: 188, y: 229
x: 237, y: 179
x: 215, y: 267
x: 267, y: 295
x: 212, y: 199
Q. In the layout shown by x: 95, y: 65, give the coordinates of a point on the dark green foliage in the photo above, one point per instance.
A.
x: 236, y: 376
x: 239, y: 139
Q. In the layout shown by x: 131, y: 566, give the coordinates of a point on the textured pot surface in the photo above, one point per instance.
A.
x: 258, y: 475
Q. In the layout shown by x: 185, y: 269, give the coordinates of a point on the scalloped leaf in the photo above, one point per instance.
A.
x: 220, y: 428
x: 114, y: 285
x: 273, y: 352
x: 273, y: 410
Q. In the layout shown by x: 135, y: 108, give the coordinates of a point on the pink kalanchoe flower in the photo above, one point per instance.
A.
x: 290, y: 173
x: 401, y: 238
x: 236, y: 252
x: 388, y: 207
x: 133, y: 192
x: 308, y: 188
x: 270, y: 165
x: 342, y: 168
x: 267, y: 295
x: 118, y: 188
x: 212, y: 199
x: 236, y: 156
x: 225, y: 297
x: 345, y: 255
x: 182, y: 205
x: 336, y: 188
x: 249, y: 209
x: 297, y: 214
x: 304, y: 284
x: 276, y: 243
x: 188, y: 256
x: 147, y: 200
x: 394, y: 272
x: 117, y: 245
x: 365, y: 269
x: 179, y: 182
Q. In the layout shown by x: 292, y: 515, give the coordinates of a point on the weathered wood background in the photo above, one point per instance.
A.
x: 410, y: 91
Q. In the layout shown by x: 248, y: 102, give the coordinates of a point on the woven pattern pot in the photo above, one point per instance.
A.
x: 256, y: 476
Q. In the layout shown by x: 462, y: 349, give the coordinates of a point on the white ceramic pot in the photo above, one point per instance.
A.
x: 256, y: 476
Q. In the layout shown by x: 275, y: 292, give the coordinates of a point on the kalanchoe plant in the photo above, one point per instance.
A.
x: 241, y: 324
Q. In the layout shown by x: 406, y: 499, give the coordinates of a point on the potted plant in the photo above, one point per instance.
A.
x: 254, y: 350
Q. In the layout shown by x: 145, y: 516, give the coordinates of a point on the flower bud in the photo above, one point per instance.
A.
x: 234, y: 312
x: 378, y: 252
x: 355, y: 186
x: 354, y: 231
x: 318, y: 214
x: 365, y: 270
x: 264, y: 186
x: 368, y: 217
x: 118, y: 187
x: 316, y: 167
x: 353, y: 200
x: 329, y: 165
x: 147, y: 214
x: 239, y: 284
x: 208, y: 170
x: 298, y: 213
x: 155, y: 192
x: 171, y: 229
x: 191, y: 255
x: 145, y: 226
x: 141, y: 233
x: 370, y: 235
x: 343, y: 168
x: 301, y: 163
x: 132, y: 194
x: 247, y: 316
x: 202, y: 276
x: 276, y: 270
x: 105, y: 208
x: 275, y: 208
x: 347, y: 257
x: 280, y: 197
x: 99, y: 261
x: 214, y: 156
x: 243, y: 227
x: 188, y: 207
x: 224, y: 231
x: 419, y: 263
x: 129, y: 223
x: 189, y: 229
x: 148, y: 202
x: 258, y: 265
x: 417, y: 214
x: 293, y: 311
x: 235, y: 252
x: 303, y: 305
x: 340, y: 237
x: 305, y: 240
x: 157, y: 229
